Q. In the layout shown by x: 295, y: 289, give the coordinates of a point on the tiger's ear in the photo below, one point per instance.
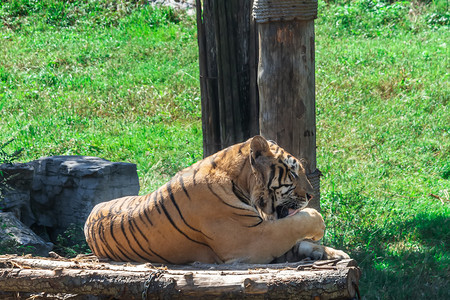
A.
x: 259, y: 146
x: 259, y: 152
x: 304, y: 164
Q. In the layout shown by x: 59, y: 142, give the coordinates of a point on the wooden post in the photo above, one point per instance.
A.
x: 286, y: 79
x: 227, y: 49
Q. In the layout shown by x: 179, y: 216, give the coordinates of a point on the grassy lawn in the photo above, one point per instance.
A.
x: 119, y: 83
x: 119, y: 80
x: 384, y: 145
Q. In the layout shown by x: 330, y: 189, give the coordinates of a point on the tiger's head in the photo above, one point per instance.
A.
x: 282, y: 186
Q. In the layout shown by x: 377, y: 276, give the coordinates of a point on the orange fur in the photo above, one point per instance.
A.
x: 223, y: 208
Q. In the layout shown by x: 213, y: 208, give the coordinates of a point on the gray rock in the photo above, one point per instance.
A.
x: 187, y: 5
x: 66, y: 188
x: 16, y: 180
x: 15, y: 237
x: 52, y: 193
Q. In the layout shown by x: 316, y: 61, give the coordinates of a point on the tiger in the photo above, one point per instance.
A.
x: 244, y: 204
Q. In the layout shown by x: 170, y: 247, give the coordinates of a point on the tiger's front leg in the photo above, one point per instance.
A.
x: 270, y: 239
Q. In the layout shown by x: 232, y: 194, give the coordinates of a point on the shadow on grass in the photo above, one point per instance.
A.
x: 401, y: 256
x: 404, y: 271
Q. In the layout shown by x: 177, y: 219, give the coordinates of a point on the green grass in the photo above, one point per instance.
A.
x: 383, y: 145
x: 120, y: 85
x: 119, y: 80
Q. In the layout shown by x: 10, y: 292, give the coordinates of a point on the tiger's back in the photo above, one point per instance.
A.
x: 166, y: 225
x: 146, y: 228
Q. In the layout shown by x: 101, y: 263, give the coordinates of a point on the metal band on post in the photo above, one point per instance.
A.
x: 284, y: 10
x: 314, y: 179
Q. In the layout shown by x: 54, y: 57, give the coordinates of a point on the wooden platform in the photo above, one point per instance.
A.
x: 59, y: 278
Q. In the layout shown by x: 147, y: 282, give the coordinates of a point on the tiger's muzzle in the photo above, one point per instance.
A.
x: 292, y: 206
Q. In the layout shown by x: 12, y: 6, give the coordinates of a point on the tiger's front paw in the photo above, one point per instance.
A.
x: 314, y: 224
x: 317, y: 225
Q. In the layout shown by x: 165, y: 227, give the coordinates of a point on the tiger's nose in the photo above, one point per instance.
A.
x: 309, y: 197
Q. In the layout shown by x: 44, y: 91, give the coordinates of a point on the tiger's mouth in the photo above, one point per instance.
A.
x: 291, y: 207
x: 284, y: 211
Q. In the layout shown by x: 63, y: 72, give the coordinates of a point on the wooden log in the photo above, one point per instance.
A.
x: 286, y: 79
x: 227, y: 58
x: 310, y: 280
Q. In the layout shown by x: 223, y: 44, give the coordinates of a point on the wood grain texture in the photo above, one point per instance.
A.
x: 286, y: 82
x: 227, y: 48
x: 321, y: 279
